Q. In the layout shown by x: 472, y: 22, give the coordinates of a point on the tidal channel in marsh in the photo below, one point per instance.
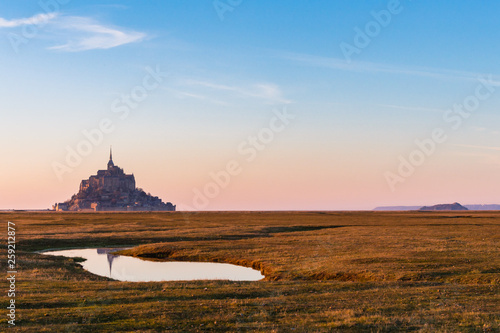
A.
x: 102, y: 262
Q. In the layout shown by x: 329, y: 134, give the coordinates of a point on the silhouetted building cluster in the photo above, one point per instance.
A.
x: 112, y: 190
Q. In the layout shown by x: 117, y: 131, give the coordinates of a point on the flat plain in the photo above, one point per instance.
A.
x: 325, y: 271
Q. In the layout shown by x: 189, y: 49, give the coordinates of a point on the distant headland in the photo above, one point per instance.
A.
x: 455, y: 206
x: 112, y: 190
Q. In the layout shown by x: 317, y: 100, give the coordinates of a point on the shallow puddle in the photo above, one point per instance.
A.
x: 101, y: 262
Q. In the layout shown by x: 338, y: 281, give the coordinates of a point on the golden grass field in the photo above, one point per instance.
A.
x: 325, y: 271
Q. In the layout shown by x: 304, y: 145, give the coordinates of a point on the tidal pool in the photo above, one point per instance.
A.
x: 103, y: 263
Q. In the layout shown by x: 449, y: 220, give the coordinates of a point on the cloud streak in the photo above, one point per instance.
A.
x: 76, y: 33
x: 34, y: 20
x: 185, y: 94
x: 87, y: 34
x: 266, y: 91
x: 411, y: 108
x: 371, y: 67
x: 478, y: 147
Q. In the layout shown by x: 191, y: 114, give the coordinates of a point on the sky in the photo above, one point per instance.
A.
x: 252, y: 105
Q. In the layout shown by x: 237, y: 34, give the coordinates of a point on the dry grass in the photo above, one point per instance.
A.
x: 325, y: 271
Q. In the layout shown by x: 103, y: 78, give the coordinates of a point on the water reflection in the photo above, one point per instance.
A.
x: 109, y: 256
x: 103, y: 263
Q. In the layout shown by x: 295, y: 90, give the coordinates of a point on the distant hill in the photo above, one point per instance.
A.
x: 453, y: 206
x: 407, y: 208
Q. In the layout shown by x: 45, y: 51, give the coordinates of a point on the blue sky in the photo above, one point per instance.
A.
x: 67, y: 64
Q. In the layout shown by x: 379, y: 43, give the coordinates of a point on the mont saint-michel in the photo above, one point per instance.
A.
x: 112, y: 190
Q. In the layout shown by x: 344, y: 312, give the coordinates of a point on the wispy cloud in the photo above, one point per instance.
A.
x: 77, y: 33
x: 484, y: 130
x: 88, y: 34
x: 371, y: 67
x: 266, y: 91
x: 185, y: 94
x: 34, y: 20
x: 411, y: 108
x: 479, y: 154
x: 478, y: 147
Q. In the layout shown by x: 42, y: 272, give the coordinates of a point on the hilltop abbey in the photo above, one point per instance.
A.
x: 112, y: 190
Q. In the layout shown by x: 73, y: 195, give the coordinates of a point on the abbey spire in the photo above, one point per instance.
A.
x: 110, y: 163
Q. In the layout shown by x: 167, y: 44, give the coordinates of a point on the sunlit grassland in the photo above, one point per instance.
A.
x: 325, y: 271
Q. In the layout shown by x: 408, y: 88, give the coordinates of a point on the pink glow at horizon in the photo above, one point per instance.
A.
x: 289, y: 182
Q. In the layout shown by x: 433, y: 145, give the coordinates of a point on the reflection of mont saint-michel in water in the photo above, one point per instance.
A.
x: 103, y: 263
x: 112, y: 190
